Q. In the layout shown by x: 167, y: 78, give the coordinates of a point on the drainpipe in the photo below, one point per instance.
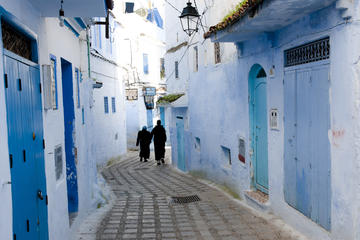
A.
x: 88, y: 50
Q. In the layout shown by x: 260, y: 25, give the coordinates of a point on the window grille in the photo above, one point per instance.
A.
x: 310, y: 52
x: 196, y: 59
x: 106, y: 105
x: 113, y: 104
x: 58, y: 162
x: 176, y: 69
x: 217, y: 52
x: 15, y: 41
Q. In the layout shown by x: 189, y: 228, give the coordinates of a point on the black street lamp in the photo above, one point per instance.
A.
x: 189, y: 19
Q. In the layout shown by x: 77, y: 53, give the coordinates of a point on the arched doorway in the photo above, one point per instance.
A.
x: 258, y: 127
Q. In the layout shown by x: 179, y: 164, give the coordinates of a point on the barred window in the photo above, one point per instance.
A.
x: 217, y: 52
x: 196, y: 59
x: 176, y: 69
x: 106, y: 105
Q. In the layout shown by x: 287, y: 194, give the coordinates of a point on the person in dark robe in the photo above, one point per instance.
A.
x: 144, y: 139
x: 159, y: 135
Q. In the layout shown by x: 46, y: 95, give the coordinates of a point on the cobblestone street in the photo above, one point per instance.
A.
x: 142, y: 209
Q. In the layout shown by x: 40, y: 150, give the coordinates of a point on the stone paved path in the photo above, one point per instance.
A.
x: 142, y: 211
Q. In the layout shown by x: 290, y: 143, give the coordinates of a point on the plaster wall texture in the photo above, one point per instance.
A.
x: 109, y: 133
x: 69, y: 49
x: 218, y: 100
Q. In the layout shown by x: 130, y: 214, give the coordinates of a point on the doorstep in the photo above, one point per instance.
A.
x: 258, y: 200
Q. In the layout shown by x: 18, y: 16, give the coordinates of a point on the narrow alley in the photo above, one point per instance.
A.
x: 143, y: 208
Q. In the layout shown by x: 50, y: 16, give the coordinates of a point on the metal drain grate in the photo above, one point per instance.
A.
x: 183, y: 200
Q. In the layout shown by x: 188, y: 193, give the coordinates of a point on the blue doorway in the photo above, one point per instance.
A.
x: 258, y: 127
x: 26, y: 147
x: 162, y: 116
x: 180, y: 143
x: 307, y: 183
x: 149, y: 119
x: 69, y: 126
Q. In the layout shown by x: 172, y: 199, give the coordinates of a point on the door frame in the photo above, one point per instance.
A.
x: 253, y: 75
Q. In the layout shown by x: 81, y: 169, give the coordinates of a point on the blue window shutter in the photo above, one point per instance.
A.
x: 129, y: 7
x: 146, y: 63
x: 106, y: 104
x: 113, y: 104
x: 158, y: 19
x: 83, y: 115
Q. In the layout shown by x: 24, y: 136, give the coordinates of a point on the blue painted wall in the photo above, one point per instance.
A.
x: 219, y: 116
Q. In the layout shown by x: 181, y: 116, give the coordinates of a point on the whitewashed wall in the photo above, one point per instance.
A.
x: 140, y: 36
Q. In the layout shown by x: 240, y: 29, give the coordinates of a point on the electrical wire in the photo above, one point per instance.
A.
x: 181, y: 58
x: 173, y: 6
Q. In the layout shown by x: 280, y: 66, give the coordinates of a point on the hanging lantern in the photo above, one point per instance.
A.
x: 189, y: 19
x: 61, y: 15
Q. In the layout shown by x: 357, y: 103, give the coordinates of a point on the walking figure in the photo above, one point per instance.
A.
x: 144, y: 138
x: 159, y: 134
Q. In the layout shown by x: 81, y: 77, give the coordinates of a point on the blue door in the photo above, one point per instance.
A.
x: 258, y: 131
x: 69, y: 126
x: 162, y: 116
x: 180, y: 143
x: 26, y: 153
x: 307, y: 161
x: 149, y: 117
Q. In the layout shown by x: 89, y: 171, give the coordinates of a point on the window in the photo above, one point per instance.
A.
x: 197, y: 144
x: 83, y: 116
x: 77, y: 77
x: 146, y: 63
x: 226, y: 155
x: 58, y: 162
x: 162, y: 67
x: 53, y: 82
x: 196, y: 59
x: 217, y: 53
x: 129, y: 7
x: 17, y: 42
x: 176, y: 69
x: 113, y: 104
x: 106, y: 105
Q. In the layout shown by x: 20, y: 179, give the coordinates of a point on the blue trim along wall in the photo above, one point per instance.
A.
x: 80, y: 22
x: 71, y: 28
